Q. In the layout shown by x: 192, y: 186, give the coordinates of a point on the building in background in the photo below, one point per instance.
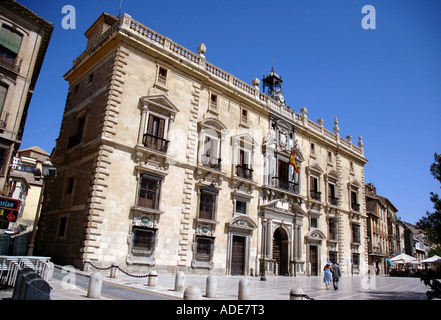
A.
x: 24, y: 38
x: 166, y: 161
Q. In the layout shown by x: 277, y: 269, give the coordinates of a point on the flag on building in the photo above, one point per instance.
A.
x: 293, y: 162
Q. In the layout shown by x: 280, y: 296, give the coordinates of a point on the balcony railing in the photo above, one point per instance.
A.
x: 244, y: 172
x: 316, y: 195
x: 333, y: 200
x: 355, y: 207
x: 286, y: 185
x: 211, y: 162
x: 13, y: 64
x: 154, y: 142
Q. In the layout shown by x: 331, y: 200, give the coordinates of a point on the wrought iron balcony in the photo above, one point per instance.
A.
x: 315, y: 195
x: 355, y: 206
x: 154, y: 142
x: 333, y: 200
x: 286, y: 185
x: 211, y: 162
x: 244, y: 172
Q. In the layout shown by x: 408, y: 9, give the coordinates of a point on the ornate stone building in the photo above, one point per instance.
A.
x: 24, y: 38
x: 166, y: 161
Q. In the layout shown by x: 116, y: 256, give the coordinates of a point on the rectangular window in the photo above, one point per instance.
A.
x: 314, y: 222
x: 3, y: 160
x: 62, y: 226
x: 314, y: 188
x: 333, y: 233
x: 356, y: 233
x: 241, y: 207
x: 162, y: 76
x: 211, y: 151
x: 76, y: 138
x: 243, y: 169
x: 213, y: 101
x: 10, y: 42
x: 332, y: 198
x: 354, y: 201
x: 69, y: 185
x: 207, y: 206
x: 204, y: 248
x: 149, y: 192
x: 3, y: 91
x: 244, y: 116
x: 144, y: 240
x: 154, y: 137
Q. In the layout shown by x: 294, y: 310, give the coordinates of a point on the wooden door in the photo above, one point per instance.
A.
x: 313, y: 253
x: 238, y: 255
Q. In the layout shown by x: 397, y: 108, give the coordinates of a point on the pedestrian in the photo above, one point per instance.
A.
x: 327, y: 274
x: 336, y: 274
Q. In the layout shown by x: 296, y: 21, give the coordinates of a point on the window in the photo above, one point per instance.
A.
x: 244, y: 116
x: 162, y: 76
x: 332, y: 228
x: 69, y: 185
x: 243, y: 169
x: 211, y: 151
x: 62, y: 227
x: 314, y: 222
x: 330, y: 156
x: 90, y: 78
x: 3, y: 91
x: 207, y: 203
x: 144, y: 240
x: 213, y: 101
x: 204, y: 248
x: 241, y: 207
x: 154, y: 137
x: 332, y: 198
x: 76, y: 138
x: 284, y: 179
x: 356, y: 261
x: 355, y: 233
x: 149, y: 192
x: 333, y: 256
x: 312, y: 149
x: 10, y: 42
x: 354, y: 201
x: 3, y: 160
x: 314, y: 192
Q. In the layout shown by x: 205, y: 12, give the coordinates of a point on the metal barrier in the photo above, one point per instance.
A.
x: 10, y: 265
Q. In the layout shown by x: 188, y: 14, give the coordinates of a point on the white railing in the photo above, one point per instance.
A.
x: 10, y: 265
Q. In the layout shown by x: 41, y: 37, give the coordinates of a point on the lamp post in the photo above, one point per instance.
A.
x: 265, y: 224
x: 48, y: 171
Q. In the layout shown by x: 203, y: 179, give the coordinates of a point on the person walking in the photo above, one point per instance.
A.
x: 327, y: 274
x: 336, y: 274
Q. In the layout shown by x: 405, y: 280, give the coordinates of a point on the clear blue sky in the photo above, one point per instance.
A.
x: 382, y: 84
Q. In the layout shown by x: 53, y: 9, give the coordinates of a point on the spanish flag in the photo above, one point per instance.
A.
x: 293, y: 162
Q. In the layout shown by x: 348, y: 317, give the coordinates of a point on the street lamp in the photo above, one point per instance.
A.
x: 265, y: 224
x: 48, y: 171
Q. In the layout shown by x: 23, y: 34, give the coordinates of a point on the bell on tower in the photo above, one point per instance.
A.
x: 272, y: 86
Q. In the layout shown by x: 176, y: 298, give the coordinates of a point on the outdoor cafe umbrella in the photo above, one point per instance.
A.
x: 431, y: 259
x: 404, y: 258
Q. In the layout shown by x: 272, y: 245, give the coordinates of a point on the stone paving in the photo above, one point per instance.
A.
x: 274, y: 288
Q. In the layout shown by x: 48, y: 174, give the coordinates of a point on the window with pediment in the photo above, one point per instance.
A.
x: 158, y: 112
x: 211, y: 133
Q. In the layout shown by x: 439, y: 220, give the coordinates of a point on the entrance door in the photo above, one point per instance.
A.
x: 313, y: 253
x: 280, y: 251
x: 238, y: 255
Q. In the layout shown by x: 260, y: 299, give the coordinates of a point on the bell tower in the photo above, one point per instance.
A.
x: 272, y: 86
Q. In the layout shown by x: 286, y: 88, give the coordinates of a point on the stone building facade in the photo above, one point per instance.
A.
x: 167, y: 162
x: 24, y: 38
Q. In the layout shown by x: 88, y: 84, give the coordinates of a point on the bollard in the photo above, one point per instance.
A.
x: 113, y: 270
x: 179, y: 281
x: 296, y: 294
x: 244, y: 290
x: 210, y: 291
x: 192, y: 293
x: 95, y: 285
x: 49, y: 271
x: 153, y: 275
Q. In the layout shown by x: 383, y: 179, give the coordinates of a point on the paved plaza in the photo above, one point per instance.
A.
x: 274, y: 288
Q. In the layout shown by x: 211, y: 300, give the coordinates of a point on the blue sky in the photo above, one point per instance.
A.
x: 382, y: 84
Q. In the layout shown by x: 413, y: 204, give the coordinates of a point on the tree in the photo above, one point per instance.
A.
x: 431, y: 223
